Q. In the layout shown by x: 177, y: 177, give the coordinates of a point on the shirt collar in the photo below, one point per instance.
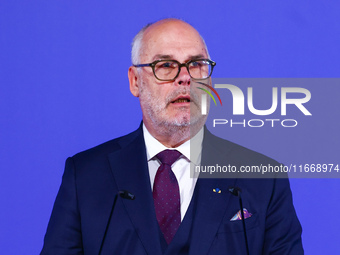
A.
x: 153, y: 146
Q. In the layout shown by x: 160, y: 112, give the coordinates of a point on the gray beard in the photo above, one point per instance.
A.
x: 181, y: 127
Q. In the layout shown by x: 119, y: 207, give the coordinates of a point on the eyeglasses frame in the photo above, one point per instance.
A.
x: 180, y: 65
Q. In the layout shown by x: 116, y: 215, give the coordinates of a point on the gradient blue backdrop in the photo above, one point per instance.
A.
x: 64, y: 88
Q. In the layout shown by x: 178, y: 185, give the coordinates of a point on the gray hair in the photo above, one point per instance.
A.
x: 137, y: 45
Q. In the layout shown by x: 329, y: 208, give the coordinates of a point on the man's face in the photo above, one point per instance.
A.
x: 170, y: 103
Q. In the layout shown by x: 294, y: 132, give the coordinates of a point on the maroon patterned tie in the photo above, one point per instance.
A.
x: 166, y: 195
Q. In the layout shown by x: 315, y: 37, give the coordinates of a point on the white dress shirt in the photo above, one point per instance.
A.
x: 181, y: 167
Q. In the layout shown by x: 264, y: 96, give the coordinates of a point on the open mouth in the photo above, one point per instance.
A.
x: 181, y: 100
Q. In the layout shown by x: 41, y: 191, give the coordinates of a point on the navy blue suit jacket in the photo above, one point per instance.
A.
x: 92, y: 179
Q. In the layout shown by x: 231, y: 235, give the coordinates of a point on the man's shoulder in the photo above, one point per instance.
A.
x: 103, y: 149
x: 233, y: 151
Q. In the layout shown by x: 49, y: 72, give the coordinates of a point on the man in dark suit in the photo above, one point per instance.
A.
x: 134, y: 194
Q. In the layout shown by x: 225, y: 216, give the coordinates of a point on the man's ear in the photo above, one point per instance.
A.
x: 133, y: 76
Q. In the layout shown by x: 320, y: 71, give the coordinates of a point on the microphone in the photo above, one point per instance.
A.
x: 236, y: 191
x: 126, y: 195
x: 123, y: 194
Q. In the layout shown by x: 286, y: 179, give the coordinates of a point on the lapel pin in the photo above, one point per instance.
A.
x: 217, y: 190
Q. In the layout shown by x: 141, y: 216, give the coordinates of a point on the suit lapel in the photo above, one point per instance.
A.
x: 130, y: 171
x: 210, y: 206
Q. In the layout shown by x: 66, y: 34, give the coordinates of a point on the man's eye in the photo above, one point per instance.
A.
x: 196, y: 64
x: 167, y: 65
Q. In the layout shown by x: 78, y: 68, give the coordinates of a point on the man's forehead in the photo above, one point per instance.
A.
x: 174, y: 57
x: 173, y: 41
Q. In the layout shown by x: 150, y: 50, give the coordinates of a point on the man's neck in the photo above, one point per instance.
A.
x: 172, y: 137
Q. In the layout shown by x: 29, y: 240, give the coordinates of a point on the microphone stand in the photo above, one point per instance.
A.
x: 237, y: 192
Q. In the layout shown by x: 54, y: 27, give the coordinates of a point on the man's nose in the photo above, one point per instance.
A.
x: 183, y: 77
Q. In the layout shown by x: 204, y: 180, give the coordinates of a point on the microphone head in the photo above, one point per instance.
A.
x: 235, y: 191
x: 126, y: 195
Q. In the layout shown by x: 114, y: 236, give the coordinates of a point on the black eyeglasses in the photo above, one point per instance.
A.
x: 168, y: 70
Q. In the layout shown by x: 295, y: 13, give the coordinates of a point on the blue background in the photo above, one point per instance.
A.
x: 64, y: 88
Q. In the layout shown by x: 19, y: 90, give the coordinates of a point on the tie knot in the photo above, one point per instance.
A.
x: 168, y: 157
